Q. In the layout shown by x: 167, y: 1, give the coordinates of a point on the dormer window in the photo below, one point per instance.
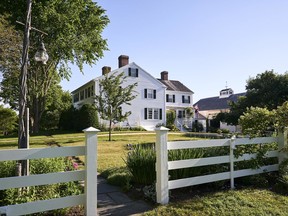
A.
x: 226, y: 93
x: 133, y: 72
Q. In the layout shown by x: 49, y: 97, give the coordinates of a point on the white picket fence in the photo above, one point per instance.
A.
x: 88, y: 199
x: 163, y: 184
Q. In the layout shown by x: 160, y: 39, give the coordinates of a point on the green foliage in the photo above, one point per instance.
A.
x: 282, y: 184
x: 141, y: 164
x: 76, y: 39
x: 88, y: 117
x: 58, y: 101
x: 77, y: 120
x: 183, y: 154
x: 112, y: 96
x: 282, y: 116
x: 8, y: 120
x: 266, y: 90
x: 227, y: 203
x: 260, y: 150
x: 39, y: 166
x: 257, y: 121
x: 197, y: 126
x: 170, y: 119
x: 118, y: 176
x: 68, y: 119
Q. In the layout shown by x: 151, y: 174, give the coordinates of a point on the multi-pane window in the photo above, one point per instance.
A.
x: 153, y: 113
x: 82, y: 95
x: 92, y: 90
x: 185, y: 99
x: 170, y: 98
x: 181, y: 114
x: 133, y: 72
x: 150, y: 93
x: 76, y: 97
x: 86, y: 93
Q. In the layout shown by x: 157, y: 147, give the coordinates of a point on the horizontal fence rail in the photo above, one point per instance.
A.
x: 26, y: 154
x: 89, y: 175
x: 163, y: 184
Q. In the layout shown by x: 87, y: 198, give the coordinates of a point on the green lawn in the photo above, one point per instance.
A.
x: 244, y: 202
x: 110, y: 154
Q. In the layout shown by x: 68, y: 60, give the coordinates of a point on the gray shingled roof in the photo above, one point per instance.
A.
x: 216, y: 103
x: 174, y: 85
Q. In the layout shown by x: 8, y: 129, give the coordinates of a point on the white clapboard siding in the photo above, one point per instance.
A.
x: 197, y: 144
x: 41, y: 179
x: 25, y: 154
x: 43, y: 205
x: 258, y: 140
x: 198, y: 180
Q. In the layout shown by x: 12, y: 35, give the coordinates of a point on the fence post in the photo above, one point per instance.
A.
x: 162, y: 190
x: 282, y: 143
x: 232, y: 147
x: 91, y: 170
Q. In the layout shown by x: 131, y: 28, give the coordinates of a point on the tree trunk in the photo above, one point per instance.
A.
x: 110, y: 129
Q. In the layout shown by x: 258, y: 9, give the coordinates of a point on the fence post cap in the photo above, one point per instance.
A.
x: 162, y: 129
x: 91, y: 129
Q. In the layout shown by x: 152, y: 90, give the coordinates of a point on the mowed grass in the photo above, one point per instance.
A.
x: 244, y: 202
x: 110, y: 153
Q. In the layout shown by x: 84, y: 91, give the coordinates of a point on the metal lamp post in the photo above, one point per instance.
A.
x: 23, y: 131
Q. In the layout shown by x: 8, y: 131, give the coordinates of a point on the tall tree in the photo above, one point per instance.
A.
x: 266, y: 90
x: 58, y: 101
x: 112, y: 96
x: 8, y: 120
x: 74, y: 30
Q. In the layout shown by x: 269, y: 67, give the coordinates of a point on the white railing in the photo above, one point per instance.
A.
x: 163, y: 184
x: 89, y: 175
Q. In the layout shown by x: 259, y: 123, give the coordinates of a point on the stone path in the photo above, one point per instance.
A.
x: 111, y: 201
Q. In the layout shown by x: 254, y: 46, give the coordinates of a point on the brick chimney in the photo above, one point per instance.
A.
x: 164, y: 75
x: 123, y: 60
x: 106, y: 70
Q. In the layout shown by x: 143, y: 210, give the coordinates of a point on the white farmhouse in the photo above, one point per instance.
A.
x: 154, y: 96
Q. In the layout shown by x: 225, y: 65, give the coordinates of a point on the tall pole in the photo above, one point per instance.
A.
x: 22, y: 132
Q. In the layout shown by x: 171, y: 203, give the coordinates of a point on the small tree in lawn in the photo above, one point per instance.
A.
x: 112, y: 96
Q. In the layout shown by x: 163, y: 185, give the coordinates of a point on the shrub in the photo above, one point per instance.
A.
x: 43, y: 192
x: 282, y: 184
x: 197, y: 127
x: 141, y: 164
x: 118, y: 176
x: 170, y: 119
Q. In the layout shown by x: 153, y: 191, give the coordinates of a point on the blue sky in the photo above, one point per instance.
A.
x: 202, y: 43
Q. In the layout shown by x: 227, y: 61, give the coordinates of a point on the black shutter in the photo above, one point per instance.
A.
x: 167, y: 98
x: 129, y: 71
x: 160, y: 114
x: 145, y: 93
x: 154, y: 92
x: 180, y: 114
x: 173, y: 98
x: 188, y: 99
x: 136, y: 72
x: 183, y: 98
x: 145, y: 113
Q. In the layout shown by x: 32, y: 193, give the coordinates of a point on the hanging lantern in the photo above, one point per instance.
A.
x: 41, y: 54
